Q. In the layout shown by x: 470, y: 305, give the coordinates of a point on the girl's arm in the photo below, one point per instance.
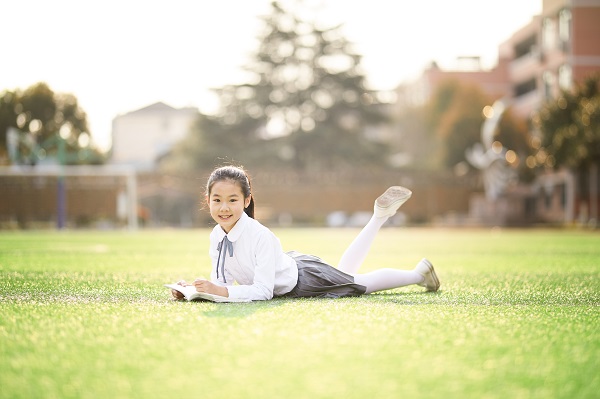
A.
x: 210, y: 288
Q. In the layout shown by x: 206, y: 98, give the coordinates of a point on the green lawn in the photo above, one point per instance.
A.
x: 84, y: 315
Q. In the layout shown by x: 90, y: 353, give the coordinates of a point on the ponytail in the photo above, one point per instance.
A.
x: 250, y: 208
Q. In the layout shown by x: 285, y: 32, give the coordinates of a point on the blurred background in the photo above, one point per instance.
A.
x: 113, y: 114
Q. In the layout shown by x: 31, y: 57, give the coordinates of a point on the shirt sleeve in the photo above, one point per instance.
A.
x: 265, y: 260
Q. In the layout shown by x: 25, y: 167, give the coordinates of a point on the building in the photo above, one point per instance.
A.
x: 557, y: 49
x: 141, y: 137
x: 494, y: 82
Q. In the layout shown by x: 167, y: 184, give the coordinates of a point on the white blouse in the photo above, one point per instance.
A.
x: 259, y: 266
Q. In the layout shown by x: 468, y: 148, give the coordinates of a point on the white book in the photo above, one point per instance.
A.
x: 190, y: 294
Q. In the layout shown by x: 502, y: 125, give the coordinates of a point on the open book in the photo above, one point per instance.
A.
x: 190, y: 294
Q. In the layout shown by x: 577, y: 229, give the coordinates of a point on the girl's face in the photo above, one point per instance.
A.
x: 226, y: 202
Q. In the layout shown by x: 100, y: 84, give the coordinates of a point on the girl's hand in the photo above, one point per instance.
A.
x: 210, y: 288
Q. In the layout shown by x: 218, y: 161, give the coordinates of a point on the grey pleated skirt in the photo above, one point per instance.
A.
x: 318, y: 279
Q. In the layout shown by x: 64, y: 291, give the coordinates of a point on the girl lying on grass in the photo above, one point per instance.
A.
x: 245, y: 252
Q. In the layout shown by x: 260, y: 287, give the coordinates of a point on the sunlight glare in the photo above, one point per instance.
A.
x: 488, y: 111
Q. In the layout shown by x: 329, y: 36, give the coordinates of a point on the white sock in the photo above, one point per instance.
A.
x: 385, y: 279
x: 358, y: 250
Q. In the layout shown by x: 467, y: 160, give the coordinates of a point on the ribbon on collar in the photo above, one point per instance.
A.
x: 223, y: 247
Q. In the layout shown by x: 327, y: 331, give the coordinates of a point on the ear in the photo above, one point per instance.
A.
x: 207, y: 200
x: 247, y: 201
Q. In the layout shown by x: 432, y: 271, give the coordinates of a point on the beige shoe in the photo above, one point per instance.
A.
x: 388, y: 203
x: 430, y: 279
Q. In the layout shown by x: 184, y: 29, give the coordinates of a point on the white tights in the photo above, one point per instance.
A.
x: 378, y: 280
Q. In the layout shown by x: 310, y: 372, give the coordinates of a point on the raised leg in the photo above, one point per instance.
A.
x: 385, y: 206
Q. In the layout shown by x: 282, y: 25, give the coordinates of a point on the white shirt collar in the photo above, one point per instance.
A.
x: 237, y: 230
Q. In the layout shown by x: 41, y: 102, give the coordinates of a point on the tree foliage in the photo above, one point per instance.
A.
x: 42, y: 116
x: 305, y: 105
x: 413, y: 143
x: 455, y: 114
x: 570, y: 127
x: 9, y: 105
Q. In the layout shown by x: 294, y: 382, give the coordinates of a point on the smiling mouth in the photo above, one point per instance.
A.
x: 224, y: 217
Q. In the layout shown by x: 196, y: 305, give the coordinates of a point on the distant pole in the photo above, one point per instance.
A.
x: 594, y: 194
x: 61, y: 198
x: 132, y: 211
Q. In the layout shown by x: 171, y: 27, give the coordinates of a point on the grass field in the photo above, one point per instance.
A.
x: 84, y: 315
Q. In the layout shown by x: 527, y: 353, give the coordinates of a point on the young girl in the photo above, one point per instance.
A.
x: 246, y: 253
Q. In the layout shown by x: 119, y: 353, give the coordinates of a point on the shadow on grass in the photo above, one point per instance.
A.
x: 241, y: 310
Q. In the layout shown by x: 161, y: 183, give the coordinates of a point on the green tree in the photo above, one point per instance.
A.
x: 8, y: 118
x: 570, y: 129
x: 456, y: 115
x: 412, y: 142
x: 37, y: 111
x: 305, y: 106
x: 42, y: 116
x: 457, y: 118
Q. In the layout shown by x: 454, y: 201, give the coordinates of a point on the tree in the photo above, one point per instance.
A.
x: 305, y: 106
x: 413, y: 143
x: 8, y: 119
x: 44, y: 118
x: 570, y: 129
x: 456, y: 118
x: 456, y: 115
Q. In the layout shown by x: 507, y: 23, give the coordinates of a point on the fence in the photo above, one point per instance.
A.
x: 101, y: 196
x: 113, y: 198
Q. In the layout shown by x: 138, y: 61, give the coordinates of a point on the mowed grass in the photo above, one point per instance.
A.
x: 84, y: 315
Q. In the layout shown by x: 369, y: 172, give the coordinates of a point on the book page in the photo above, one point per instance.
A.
x: 190, y: 294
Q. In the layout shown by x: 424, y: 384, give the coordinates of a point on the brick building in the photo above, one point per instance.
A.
x: 555, y: 51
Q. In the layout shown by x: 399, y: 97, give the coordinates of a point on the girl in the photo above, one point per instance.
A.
x: 245, y: 252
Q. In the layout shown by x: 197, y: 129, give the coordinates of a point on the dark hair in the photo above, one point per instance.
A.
x: 238, y: 175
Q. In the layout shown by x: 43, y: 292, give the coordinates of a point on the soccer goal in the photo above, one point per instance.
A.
x: 69, y: 194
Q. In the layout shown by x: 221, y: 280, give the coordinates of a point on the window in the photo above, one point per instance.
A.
x: 525, y: 87
x: 565, y: 76
x: 563, y: 195
x: 564, y: 27
x: 547, y: 200
x: 548, y: 78
x: 525, y: 47
x: 549, y: 34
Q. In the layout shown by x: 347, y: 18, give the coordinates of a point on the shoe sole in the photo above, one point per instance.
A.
x: 393, y: 196
x: 434, y: 276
